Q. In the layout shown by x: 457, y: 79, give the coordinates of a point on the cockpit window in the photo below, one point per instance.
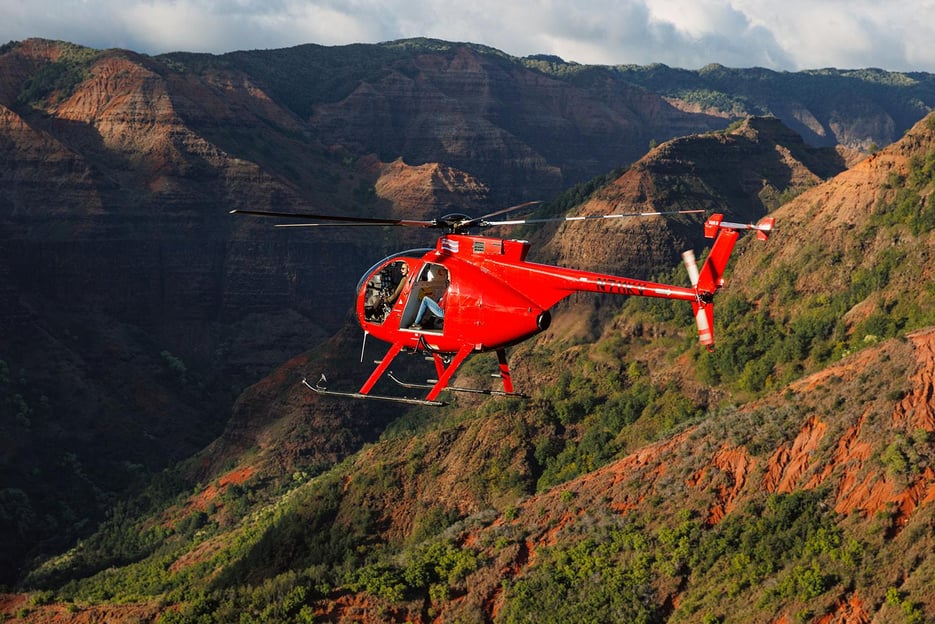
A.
x: 383, y: 290
x: 384, y: 283
x: 413, y: 255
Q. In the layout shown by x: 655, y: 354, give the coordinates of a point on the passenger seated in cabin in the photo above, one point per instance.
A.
x: 433, y: 300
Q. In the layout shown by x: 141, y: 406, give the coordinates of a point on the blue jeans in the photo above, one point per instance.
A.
x: 430, y: 305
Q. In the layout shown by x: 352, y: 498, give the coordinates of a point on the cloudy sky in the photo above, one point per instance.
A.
x: 779, y: 34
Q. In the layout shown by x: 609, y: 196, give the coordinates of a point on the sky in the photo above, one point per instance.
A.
x: 790, y: 35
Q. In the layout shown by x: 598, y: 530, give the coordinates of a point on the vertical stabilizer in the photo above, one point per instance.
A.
x: 710, y: 277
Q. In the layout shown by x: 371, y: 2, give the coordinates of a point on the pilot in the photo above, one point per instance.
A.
x: 434, y: 299
x: 404, y: 269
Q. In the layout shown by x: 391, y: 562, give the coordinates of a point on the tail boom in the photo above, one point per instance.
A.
x: 556, y: 283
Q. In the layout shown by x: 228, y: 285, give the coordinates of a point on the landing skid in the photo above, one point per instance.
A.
x: 445, y: 366
x: 417, y: 386
x: 376, y: 397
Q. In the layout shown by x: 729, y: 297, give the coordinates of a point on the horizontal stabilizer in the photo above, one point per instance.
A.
x: 716, y: 223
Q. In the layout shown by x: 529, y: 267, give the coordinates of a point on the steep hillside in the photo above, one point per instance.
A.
x: 773, y: 511
x: 851, y: 268
x: 813, y: 503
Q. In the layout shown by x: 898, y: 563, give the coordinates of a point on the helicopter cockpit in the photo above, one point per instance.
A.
x: 385, y: 281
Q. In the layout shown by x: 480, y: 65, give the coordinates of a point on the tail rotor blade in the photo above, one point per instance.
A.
x: 704, y: 319
x: 691, y: 265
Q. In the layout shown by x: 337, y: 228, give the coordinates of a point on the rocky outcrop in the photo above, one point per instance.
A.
x: 428, y: 190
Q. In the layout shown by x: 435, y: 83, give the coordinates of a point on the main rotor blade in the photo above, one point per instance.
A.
x: 482, y: 221
x: 336, y: 219
x: 346, y: 225
x: 589, y: 217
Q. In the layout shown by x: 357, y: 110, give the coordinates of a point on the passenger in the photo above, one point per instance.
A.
x: 434, y: 299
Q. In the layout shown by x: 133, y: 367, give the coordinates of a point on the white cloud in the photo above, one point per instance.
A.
x: 795, y: 34
x: 849, y: 33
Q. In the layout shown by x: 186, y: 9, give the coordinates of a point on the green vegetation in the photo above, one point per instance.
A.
x: 600, y: 404
x: 910, y: 204
x: 430, y: 570
x: 792, y: 538
x: 57, y: 80
x: 285, y: 598
x: 781, y: 551
x: 605, y: 576
x: 121, y: 539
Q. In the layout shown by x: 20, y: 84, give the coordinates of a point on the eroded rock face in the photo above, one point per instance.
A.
x: 511, y: 127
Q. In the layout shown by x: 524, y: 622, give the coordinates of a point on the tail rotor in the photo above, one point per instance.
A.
x: 703, y: 307
x: 710, y: 277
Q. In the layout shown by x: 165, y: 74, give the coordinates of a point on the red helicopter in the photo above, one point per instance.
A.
x: 473, y: 294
